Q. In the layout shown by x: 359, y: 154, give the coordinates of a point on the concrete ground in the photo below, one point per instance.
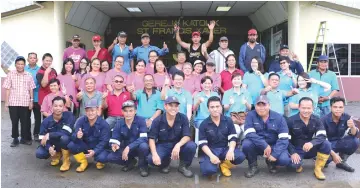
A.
x: 20, y: 169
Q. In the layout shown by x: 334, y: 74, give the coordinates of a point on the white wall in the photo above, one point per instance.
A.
x: 342, y: 28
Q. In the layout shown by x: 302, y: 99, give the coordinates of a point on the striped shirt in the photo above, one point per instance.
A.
x: 20, y: 85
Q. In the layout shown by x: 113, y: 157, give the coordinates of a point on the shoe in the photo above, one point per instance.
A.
x: 80, y: 158
x: 130, y: 166
x: 271, y: 166
x: 299, y: 170
x: 65, y: 160
x: 320, y: 162
x: 225, y: 167
x: 14, y: 143
x: 184, y: 169
x: 26, y: 142
x: 55, y: 160
x: 36, y: 138
x: 252, y: 170
x: 165, y: 170
x: 100, y: 166
x: 144, y: 172
x: 343, y: 165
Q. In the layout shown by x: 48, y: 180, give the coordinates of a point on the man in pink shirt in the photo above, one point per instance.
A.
x: 75, y: 52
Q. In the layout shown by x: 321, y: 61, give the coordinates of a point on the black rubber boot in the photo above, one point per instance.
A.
x: 252, y: 170
x: 343, y: 165
x: 184, y: 169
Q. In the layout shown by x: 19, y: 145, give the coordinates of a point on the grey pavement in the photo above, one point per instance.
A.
x: 20, y: 169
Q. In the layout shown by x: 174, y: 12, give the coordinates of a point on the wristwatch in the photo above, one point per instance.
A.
x: 151, y: 119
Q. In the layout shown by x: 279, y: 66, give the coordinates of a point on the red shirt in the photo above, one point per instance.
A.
x: 43, y: 91
x: 102, y: 55
x: 115, y: 103
x: 226, y: 83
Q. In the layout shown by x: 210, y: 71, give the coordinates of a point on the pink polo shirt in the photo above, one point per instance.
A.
x: 149, y: 69
x: 226, y: 83
x: 100, y: 81
x: 137, y: 80
x: 112, y: 73
x: 46, y: 106
x: 115, y: 102
x: 192, y: 84
x: 160, y: 79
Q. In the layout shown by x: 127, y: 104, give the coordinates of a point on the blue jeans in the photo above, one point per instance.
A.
x: 325, y: 110
x: 111, y: 120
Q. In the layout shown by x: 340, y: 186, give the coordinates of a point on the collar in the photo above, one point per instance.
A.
x: 297, y: 117
x: 153, y: 91
x: 241, y: 90
x: 142, y: 46
x: 181, y: 90
x: 317, y: 70
x: 308, y: 89
x: 247, y: 43
x: 164, y: 120
x: 63, y: 116
x: 28, y: 67
x: 112, y: 92
x: 210, y: 121
x: 97, y: 122
x: 342, y: 117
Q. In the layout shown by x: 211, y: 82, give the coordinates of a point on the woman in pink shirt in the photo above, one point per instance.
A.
x: 69, y: 79
x: 95, y: 73
x: 226, y: 74
x: 198, y: 67
x: 105, y: 66
x: 150, y: 66
x: 160, y: 74
x: 46, y: 106
x: 191, y: 82
x: 210, y: 71
x: 135, y: 80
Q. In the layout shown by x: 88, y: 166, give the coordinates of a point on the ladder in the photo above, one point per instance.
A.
x: 330, y: 46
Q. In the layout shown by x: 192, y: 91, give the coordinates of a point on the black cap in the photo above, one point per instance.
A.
x: 18, y: 58
x: 262, y: 99
x: 171, y: 99
x: 76, y: 37
x: 284, y: 46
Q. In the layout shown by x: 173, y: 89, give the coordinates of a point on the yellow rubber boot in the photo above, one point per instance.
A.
x: 319, y: 165
x: 299, y: 170
x: 66, y: 160
x: 80, y: 158
x: 225, y: 167
x: 55, y: 159
x: 100, y: 166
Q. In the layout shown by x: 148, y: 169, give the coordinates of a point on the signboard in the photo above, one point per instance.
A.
x: 276, y: 38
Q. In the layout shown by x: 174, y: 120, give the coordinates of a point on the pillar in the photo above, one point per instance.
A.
x: 293, y: 26
x: 59, y: 37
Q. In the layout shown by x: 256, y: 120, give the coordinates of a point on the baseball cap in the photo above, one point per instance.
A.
x: 195, y: 33
x: 198, y: 62
x: 91, y: 104
x: 323, y: 58
x: 122, y: 34
x: 145, y: 35
x: 262, y: 99
x: 18, y: 58
x: 96, y: 37
x: 128, y: 103
x: 223, y: 38
x: 284, y: 46
x: 252, y: 31
x: 210, y: 62
x: 171, y: 99
x: 76, y: 37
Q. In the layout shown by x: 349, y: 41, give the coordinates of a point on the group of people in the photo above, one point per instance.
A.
x: 106, y: 106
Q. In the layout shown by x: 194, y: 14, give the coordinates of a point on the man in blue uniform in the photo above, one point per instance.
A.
x: 169, y: 138
x: 217, y: 139
x: 267, y: 134
x: 91, y: 136
x: 295, y: 65
x: 342, y: 133
x: 55, y: 134
x: 129, y: 140
x: 308, y: 138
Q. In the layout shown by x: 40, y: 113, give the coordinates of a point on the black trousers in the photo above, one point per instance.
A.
x: 37, y: 117
x: 23, y: 114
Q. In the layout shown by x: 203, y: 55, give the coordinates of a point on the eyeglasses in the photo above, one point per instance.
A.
x: 119, y: 62
x: 252, y: 35
x: 118, y: 81
x: 153, y: 56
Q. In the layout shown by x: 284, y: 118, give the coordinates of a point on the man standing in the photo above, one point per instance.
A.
x: 75, y: 52
x: 323, y: 74
x: 32, y: 68
x: 119, y: 48
x: 295, y: 65
x: 149, y: 103
x: 55, y: 135
x: 267, y: 134
x: 90, y: 138
x: 44, y: 75
x: 98, y: 52
x: 19, y: 99
x: 304, y: 145
x: 195, y: 48
x: 342, y: 133
x: 142, y: 52
x: 169, y: 138
x: 249, y: 50
x: 129, y: 140
x: 217, y: 139
x: 219, y: 55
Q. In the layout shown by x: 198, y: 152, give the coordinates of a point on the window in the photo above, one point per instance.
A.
x: 8, y: 55
x: 355, y: 59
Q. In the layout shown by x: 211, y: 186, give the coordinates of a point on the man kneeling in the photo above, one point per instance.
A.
x: 129, y: 140
x: 55, y: 133
x: 215, y: 133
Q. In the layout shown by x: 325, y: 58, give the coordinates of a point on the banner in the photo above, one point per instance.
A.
x: 276, y: 38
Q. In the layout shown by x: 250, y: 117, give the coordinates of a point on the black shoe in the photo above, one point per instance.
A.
x: 36, y: 138
x: 343, y: 165
x: 185, y: 170
x: 165, y: 170
x: 252, y: 170
x: 130, y: 166
x: 14, y: 143
x: 26, y: 142
x: 144, y: 172
x: 271, y: 166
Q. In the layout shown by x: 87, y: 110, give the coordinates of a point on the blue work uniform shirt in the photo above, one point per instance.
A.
x: 126, y: 53
x: 336, y: 131
x: 238, y: 105
x: 33, y: 71
x: 183, y: 96
x: 124, y: 136
x: 202, y: 111
x: 161, y: 132
x: 148, y: 105
x: 254, y: 84
x: 328, y: 77
x: 142, y: 52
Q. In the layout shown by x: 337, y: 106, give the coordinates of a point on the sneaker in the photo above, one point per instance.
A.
x: 165, y: 170
x: 36, y: 138
x: 14, y: 143
x: 144, y: 172
x: 26, y: 142
x: 185, y: 170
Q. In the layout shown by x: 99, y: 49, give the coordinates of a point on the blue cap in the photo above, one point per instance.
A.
x: 262, y: 99
x: 18, y: 58
x: 171, y: 99
x: 323, y: 58
x: 284, y: 46
x: 91, y: 104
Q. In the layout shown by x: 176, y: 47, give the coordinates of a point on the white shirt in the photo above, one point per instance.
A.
x: 220, y: 61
